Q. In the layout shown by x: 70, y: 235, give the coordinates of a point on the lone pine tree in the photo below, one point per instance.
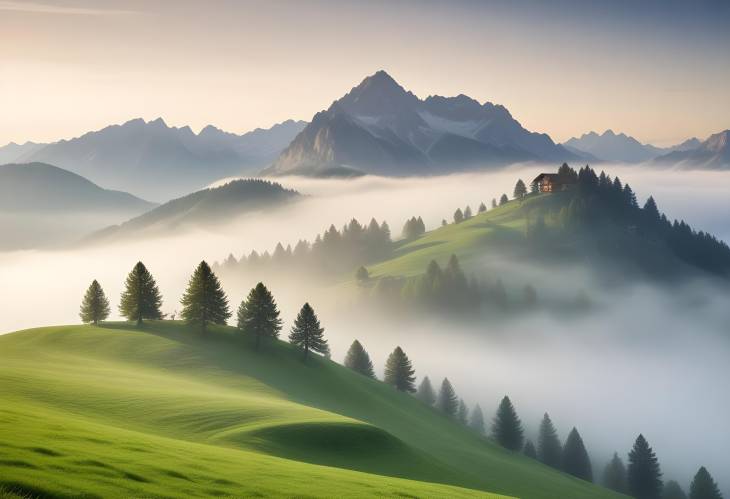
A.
x: 549, y: 449
x: 358, y: 360
x: 614, y: 476
x: 520, y: 189
x: 447, y: 402
x: 95, y: 306
x: 141, y: 298
x: 425, y: 392
x: 575, y: 457
x: 703, y: 486
x: 503, y: 200
x: 507, y: 427
x: 476, y: 421
x: 204, y: 301
x: 258, y: 314
x: 672, y: 490
x: 307, y: 333
x: 399, y: 371
x: 644, y: 474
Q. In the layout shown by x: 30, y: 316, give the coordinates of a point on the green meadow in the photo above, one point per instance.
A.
x: 114, y: 411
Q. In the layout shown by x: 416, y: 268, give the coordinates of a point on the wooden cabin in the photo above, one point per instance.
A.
x: 551, y: 182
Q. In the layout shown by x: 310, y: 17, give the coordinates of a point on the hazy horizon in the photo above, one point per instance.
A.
x: 122, y: 60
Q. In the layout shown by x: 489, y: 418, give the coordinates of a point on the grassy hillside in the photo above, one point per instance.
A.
x: 113, y: 411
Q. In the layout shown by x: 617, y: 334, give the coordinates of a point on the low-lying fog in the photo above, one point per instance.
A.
x: 645, y: 363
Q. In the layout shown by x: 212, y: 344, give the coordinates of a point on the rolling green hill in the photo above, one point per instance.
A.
x: 114, y: 411
x: 604, y: 246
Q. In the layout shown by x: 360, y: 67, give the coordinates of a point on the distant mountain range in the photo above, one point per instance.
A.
x: 42, y: 205
x: 156, y: 161
x: 712, y: 154
x: 202, y: 209
x: 622, y: 148
x: 381, y: 128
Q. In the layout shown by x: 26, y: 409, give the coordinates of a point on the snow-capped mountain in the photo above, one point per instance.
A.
x: 381, y: 128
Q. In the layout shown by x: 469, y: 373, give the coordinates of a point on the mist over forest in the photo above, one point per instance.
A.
x: 645, y: 359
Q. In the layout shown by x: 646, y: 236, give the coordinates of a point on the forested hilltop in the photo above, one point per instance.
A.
x: 592, y: 222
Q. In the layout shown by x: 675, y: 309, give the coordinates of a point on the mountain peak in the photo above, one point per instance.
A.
x: 377, y: 94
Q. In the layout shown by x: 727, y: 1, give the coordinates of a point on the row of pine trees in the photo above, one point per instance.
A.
x: 204, y: 303
x: 641, y: 480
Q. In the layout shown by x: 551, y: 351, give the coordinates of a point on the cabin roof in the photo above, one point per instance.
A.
x: 549, y: 176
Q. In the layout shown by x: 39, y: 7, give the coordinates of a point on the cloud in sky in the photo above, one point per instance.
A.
x: 48, y: 8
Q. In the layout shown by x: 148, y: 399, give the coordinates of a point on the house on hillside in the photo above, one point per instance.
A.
x: 552, y: 182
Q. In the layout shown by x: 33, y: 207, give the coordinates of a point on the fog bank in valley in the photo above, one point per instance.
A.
x: 647, y: 360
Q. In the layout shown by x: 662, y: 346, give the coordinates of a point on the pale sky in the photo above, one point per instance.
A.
x: 657, y: 70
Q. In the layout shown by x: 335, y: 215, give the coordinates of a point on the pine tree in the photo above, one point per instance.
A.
x: 358, y: 360
x: 529, y: 450
x: 307, y: 332
x: 494, y: 202
x: 258, y: 314
x: 467, y: 213
x: 447, y: 402
x: 425, y: 392
x: 362, y: 275
x: 140, y: 299
x: 507, y: 427
x: 703, y: 486
x: 614, y: 476
x: 503, y: 200
x: 644, y: 474
x: 482, y: 208
x: 95, y: 306
x: 462, y: 414
x: 458, y: 216
x: 204, y: 302
x: 476, y: 422
x: 399, y: 371
x: 672, y: 490
x: 575, y: 457
x: 549, y: 449
x: 520, y: 190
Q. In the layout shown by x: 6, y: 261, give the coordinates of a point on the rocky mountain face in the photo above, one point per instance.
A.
x: 381, y: 128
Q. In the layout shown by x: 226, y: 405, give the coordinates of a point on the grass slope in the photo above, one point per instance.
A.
x: 113, y: 411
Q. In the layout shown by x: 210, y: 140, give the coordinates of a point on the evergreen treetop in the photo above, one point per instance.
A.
x: 507, y: 427
x: 644, y: 474
x: 672, y: 490
x: 575, y: 457
x: 425, y: 392
x: 549, y: 449
x: 95, y: 306
x: 503, y: 200
x: 358, y: 360
x: 458, y: 216
x: 448, y: 403
x: 482, y: 207
x: 141, y: 299
x: 529, y: 450
x: 476, y: 421
x: 204, y: 301
x: 614, y: 476
x: 520, y: 190
x: 399, y: 371
x: 703, y: 486
x: 307, y: 333
x: 258, y: 314
x: 462, y: 413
